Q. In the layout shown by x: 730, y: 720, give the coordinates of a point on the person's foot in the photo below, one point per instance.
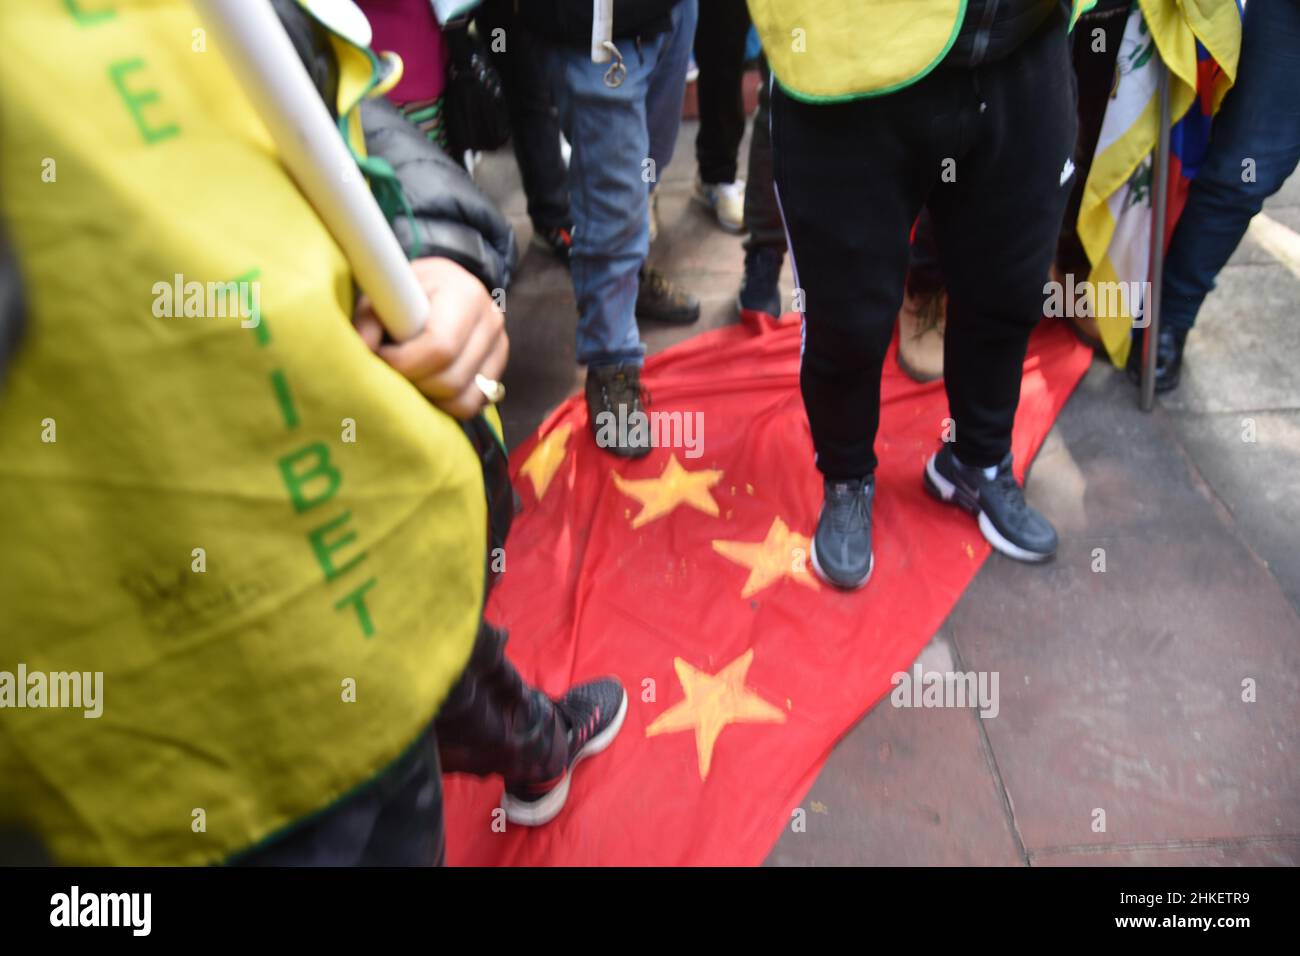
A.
x: 841, y: 545
x: 614, y: 398
x: 921, y: 322
x: 760, y: 287
x: 558, y: 242
x: 658, y: 300
x: 727, y: 200
x: 1005, y: 519
x: 1169, y: 357
x: 594, y: 713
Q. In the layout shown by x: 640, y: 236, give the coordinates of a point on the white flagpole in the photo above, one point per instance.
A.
x: 260, y: 53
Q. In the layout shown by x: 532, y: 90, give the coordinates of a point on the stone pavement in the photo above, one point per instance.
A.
x: 1120, y: 691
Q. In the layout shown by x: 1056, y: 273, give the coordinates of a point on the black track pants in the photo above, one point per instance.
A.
x: 986, y: 149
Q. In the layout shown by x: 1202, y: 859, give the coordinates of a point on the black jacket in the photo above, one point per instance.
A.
x: 569, y: 21
x: 993, y: 29
x: 452, y: 217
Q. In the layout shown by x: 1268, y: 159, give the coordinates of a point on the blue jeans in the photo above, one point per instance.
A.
x: 1260, y: 121
x: 622, y: 139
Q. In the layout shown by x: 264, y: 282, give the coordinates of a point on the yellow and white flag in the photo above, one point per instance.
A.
x: 1115, y: 215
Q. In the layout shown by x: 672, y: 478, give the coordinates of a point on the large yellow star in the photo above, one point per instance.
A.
x: 674, y: 486
x: 712, y: 702
x: 546, y: 458
x: 783, y: 553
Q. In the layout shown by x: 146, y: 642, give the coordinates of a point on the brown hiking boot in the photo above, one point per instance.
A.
x: 658, y: 300
x: 616, y: 410
x: 1085, y: 327
x: 921, y: 322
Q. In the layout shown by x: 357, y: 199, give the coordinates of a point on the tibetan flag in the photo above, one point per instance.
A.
x: 686, y: 575
x: 1199, y: 47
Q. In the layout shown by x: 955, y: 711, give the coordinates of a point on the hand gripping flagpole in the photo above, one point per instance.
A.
x: 262, y: 57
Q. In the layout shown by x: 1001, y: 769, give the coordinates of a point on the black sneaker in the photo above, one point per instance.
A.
x: 615, y: 405
x: 760, y: 288
x: 1169, y: 357
x: 1005, y: 518
x: 841, y: 545
x: 594, y: 712
x: 558, y: 242
x: 658, y: 300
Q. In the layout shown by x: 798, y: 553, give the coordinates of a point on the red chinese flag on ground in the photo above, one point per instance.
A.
x: 686, y: 575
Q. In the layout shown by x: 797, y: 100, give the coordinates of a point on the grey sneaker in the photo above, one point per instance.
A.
x: 1005, y: 518
x: 841, y: 546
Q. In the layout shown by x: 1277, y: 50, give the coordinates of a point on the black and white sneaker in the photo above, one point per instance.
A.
x: 841, y: 545
x: 594, y: 712
x: 1005, y: 518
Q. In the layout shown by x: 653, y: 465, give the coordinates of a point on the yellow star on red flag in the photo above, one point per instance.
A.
x: 783, y: 553
x: 712, y: 702
x: 674, y: 486
x: 546, y: 458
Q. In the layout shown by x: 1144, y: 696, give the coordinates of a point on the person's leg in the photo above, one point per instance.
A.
x: 922, y: 318
x: 535, y: 129
x: 762, y: 214
x: 924, y: 275
x: 720, y: 55
x: 493, y: 722
x: 1254, y: 147
x: 850, y: 180
x: 393, y: 820
x: 658, y: 299
x: 997, y: 226
x: 760, y: 288
x: 606, y: 127
x: 667, y: 85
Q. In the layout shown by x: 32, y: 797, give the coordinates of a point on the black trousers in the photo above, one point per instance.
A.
x: 492, y: 722
x: 762, y: 214
x: 720, y: 38
x: 986, y: 149
x: 534, y: 124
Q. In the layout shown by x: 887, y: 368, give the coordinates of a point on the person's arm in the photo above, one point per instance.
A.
x: 450, y: 216
x: 466, y: 248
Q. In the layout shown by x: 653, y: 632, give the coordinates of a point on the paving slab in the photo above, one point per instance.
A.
x: 1258, y: 480
x: 1122, y: 688
x: 906, y: 787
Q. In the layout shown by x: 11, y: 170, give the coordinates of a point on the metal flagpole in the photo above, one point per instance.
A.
x: 1156, y: 266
